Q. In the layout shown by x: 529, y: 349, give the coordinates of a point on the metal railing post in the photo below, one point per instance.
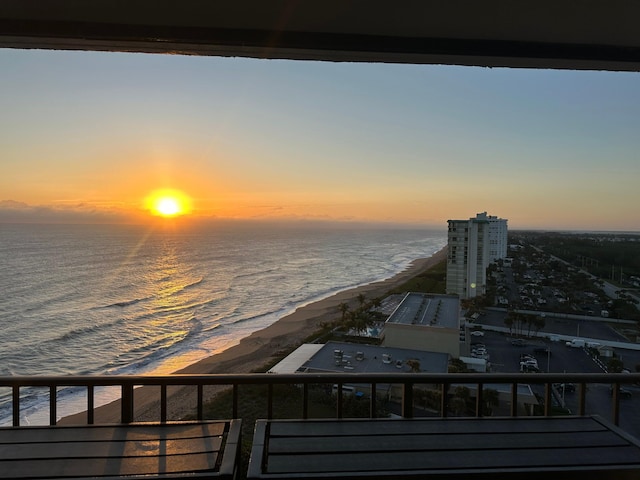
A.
x: 305, y: 401
x: 479, y: 400
x: 15, y: 395
x: 53, y: 405
x: 615, y: 404
x: 235, y: 401
x: 90, y: 404
x: 163, y: 403
x: 444, y: 388
x: 200, y: 412
x: 547, y: 399
x: 126, y: 402
x: 373, y: 407
x: 582, y: 399
x: 407, y: 399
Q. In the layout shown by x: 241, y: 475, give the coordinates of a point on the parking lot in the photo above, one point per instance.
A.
x: 505, y: 357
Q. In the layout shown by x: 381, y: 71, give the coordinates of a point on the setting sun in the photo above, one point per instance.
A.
x: 168, y: 206
x: 168, y: 203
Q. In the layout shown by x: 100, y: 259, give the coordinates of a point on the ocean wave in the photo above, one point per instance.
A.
x: 257, y: 273
x: 134, y: 301
x: 281, y: 310
x: 125, y: 303
x: 186, y: 306
x: 140, y: 357
x: 211, y: 328
x: 80, y: 332
x: 193, y: 284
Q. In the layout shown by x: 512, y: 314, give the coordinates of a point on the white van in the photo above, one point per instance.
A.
x: 346, y: 390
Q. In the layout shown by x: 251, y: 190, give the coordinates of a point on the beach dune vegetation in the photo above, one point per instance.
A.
x: 432, y: 280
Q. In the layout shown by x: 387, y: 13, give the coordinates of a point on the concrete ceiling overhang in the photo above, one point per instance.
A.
x: 573, y: 34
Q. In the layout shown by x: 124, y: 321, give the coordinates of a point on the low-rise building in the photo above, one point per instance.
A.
x: 339, y: 357
x: 426, y: 322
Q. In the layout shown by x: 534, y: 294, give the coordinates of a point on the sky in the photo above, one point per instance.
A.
x: 85, y: 137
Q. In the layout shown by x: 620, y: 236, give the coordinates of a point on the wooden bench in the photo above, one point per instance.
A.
x: 165, y: 450
x: 487, y: 448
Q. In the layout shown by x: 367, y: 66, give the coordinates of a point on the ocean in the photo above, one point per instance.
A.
x: 114, y: 299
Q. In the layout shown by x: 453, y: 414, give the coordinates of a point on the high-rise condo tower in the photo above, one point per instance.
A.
x: 473, y: 245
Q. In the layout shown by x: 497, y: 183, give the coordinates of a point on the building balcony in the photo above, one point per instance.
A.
x: 403, y: 395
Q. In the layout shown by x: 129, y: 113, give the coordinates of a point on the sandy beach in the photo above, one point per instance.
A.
x: 255, y: 351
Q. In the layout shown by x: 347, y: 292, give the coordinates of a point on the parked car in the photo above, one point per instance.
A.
x: 518, y: 342
x: 567, y: 387
x: 529, y: 368
x: 624, y: 393
x: 477, y: 333
x: 529, y: 361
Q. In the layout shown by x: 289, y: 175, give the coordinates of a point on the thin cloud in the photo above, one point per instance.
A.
x: 12, y: 211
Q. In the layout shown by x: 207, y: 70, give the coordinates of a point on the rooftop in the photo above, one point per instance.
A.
x: 356, y: 358
x: 427, y: 310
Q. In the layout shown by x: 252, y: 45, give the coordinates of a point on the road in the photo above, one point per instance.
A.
x: 589, y: 327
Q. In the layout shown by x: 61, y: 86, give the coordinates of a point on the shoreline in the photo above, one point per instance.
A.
x: 254, y: 351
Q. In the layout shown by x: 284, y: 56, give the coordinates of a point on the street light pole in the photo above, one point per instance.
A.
x: 549, y: 359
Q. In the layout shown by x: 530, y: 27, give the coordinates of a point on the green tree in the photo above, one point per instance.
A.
x: 414, y: 365
x: 457, y: 366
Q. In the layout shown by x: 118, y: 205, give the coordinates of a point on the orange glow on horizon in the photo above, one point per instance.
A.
x: 168, y: 203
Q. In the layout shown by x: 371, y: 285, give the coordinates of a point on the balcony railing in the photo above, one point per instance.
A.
x: 407, y: 383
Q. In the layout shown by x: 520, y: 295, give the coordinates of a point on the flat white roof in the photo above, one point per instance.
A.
x: 427, y: 310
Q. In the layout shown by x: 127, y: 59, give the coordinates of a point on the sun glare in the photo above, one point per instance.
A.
x: 168, y: 203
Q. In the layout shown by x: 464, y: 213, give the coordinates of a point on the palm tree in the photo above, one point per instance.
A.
x: 529, y: 320
x: 361, y: 321
x: 362, y: 299
x: 343, y: 308
x: 539, y: 323
x: 351, y: 320
x: 520, y: 320
x: 508, y: 321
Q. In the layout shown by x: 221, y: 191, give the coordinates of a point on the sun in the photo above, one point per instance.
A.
x: 168, y: 203
x: 168, y: 207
